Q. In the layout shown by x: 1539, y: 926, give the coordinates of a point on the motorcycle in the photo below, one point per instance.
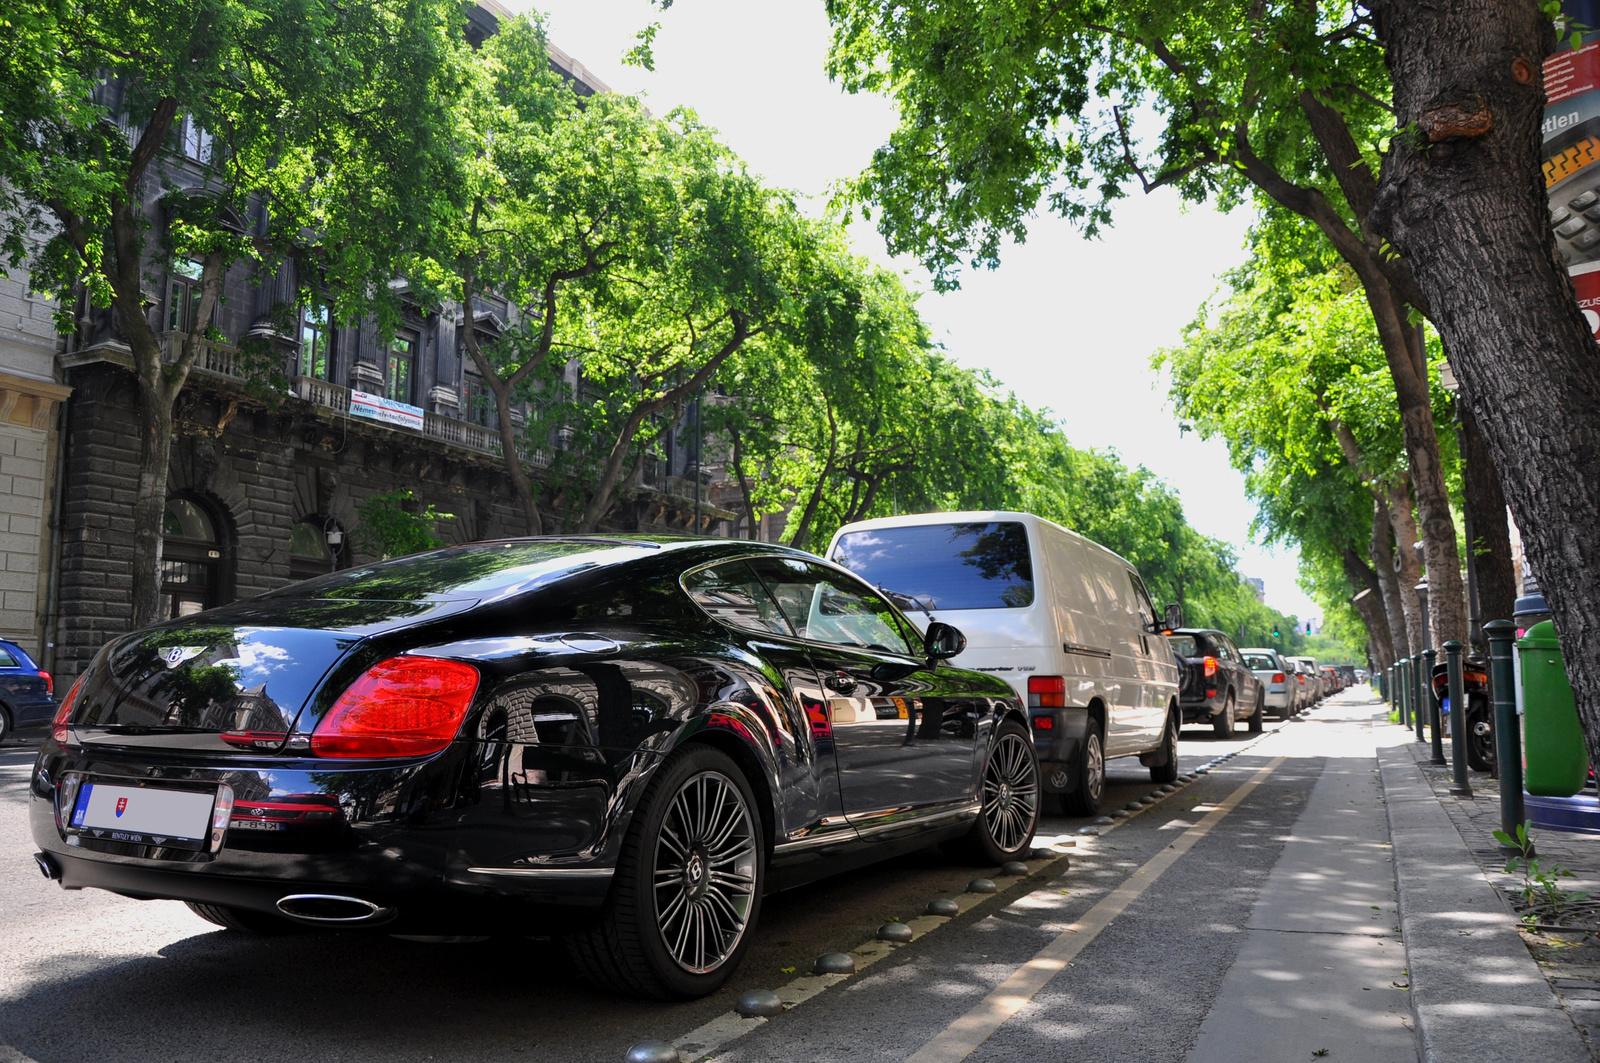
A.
x: 1479, y: 712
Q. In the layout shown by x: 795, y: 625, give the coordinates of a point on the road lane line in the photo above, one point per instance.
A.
x: 962, y: 1037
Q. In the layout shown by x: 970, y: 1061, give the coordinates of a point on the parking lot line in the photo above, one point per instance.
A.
x: 962, y: 1037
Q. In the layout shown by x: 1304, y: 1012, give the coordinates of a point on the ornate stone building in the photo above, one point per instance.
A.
x: 262, y: 490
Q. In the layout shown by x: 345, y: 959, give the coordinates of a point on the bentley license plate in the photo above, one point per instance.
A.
x: 144, y: 815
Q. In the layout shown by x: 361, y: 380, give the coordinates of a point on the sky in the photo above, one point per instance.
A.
x: 1067, y: 323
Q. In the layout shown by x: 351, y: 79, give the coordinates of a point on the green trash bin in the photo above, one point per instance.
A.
x: 1557, y: 763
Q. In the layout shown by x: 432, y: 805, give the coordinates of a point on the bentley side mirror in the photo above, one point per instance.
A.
x: 1173, y: 617
x: 942, y: 642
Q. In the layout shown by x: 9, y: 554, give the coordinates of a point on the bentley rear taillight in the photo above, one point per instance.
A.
x: 401, y: 707
x: 58, y: 727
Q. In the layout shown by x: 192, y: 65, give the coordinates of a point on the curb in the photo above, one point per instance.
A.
x: 1476, y: 993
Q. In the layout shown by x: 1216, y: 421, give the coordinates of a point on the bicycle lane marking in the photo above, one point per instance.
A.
x: 962, y: 1037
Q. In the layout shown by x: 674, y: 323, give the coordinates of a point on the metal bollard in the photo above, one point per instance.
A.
x: 1419, y: 718
x: 1507, y: 733
x: 1458, y: 720
x: 1394, y: 694
x: 1425, y: 692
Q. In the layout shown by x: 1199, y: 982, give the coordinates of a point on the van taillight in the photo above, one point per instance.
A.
x: 58, y: 727
x: 401, y: 707
x: 1210, y: 664
x: 1047, y: 692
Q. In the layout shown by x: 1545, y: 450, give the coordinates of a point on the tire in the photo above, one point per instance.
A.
x: 674, y: 927
x: 244, y: 920
x: 1168, y: 772
x: 1222, y: 722
x: 5, y: 724
x: 1480, y: 747
x: 1257, y: 717
x: 1085, y: 799
x: 1009, y: 790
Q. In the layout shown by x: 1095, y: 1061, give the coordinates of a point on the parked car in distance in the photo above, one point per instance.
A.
x: 1273, y: 671
x: 1333, y: 682
x: 623, y: 742
x: 1065, y: 621
x: 1217, y: 685
x: 27, y: 700
x: 1313, y: 676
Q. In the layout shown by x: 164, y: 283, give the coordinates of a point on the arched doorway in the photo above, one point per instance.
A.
x: 191, y: 559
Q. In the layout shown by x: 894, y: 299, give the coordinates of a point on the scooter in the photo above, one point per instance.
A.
x: 1479, y: 721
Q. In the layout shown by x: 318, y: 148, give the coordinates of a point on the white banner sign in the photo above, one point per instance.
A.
x: 386, y: 410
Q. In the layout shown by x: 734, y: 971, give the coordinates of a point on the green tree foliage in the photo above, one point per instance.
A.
x: 397, y: 523
x: 1008, y: 108
x: 332, y: 115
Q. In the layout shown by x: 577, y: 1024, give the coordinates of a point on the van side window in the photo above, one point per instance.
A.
x: 1141, y: 603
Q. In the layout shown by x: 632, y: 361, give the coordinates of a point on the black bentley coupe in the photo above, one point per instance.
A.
x: 623, y: 741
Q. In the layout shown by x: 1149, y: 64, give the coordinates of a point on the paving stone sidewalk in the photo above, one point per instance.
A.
x: 1567, y: 952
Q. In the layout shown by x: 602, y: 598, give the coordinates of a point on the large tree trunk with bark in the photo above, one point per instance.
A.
x: 1463, y: 198
x: 1485, y: 504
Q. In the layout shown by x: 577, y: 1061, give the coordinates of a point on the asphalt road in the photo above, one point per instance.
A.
x: 86, y: 976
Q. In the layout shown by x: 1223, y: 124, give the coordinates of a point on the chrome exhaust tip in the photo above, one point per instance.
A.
x: 331, y: 909
x: 48, y: 866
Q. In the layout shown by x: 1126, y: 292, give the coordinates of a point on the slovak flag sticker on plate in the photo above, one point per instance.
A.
x: 122, y: 806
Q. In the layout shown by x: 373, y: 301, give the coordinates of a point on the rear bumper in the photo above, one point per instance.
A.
x: 1200, y: 711
x: 1060, y: 747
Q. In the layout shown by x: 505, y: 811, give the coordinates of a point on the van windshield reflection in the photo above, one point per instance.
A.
x: 945, y: 566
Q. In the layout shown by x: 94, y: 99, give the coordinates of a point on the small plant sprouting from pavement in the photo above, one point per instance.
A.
x: 1541, y: 892
x: 1319, y: 1053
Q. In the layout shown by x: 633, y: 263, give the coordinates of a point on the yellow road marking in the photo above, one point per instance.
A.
x: 962, y: 1037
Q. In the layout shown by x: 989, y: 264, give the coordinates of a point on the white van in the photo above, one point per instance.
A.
x: 1067, y: 622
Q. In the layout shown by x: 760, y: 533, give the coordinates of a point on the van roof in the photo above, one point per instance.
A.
x: 971, y: 516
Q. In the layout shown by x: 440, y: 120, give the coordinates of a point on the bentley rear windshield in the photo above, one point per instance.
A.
x: 945, y: 566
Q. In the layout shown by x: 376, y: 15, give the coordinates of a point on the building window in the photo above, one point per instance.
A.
x: 196, y: 141
x: 400, y: 376
x: 309, y: 553
x: 316, y: 342
x: 477, y: 402
x: 191, y: 560
x: 183, y: 295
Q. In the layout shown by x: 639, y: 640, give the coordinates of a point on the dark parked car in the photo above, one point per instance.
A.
x: 1216, y: 684
x: 26, y: 692
x: 626, y: 742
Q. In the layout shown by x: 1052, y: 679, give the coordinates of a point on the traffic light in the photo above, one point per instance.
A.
x: 1275, y: 634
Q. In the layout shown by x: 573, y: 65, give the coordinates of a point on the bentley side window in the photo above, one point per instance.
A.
x: 732, y: 594
x: 826, y: 606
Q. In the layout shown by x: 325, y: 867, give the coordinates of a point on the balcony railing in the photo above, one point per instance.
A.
x: 223, y: 361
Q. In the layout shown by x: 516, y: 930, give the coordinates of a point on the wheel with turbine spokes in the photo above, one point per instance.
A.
x: 1009, y: 799
x: 688, y: 885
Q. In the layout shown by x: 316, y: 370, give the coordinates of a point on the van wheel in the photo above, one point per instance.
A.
x: 1085, y: 799
x: 1260, y: 714
x: 1223, y: 721
x: 1167, y: 771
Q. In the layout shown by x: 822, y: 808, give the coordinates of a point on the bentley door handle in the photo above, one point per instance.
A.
x: 839, y: 682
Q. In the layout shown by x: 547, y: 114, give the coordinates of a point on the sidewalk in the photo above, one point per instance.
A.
x: 1481, y: 987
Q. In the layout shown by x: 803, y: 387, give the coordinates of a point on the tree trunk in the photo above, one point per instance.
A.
x: 1382, y: 554
x: 521, y: 485
x: 1368, y: 603
x: 1409, y: 572
x: 150, y: 502
x: 1485, y: 504
x: 1462, y: 196
x: 750, y: 514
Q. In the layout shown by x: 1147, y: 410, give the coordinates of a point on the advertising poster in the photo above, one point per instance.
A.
x: 1572, y: 154
x: 388, y: 411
